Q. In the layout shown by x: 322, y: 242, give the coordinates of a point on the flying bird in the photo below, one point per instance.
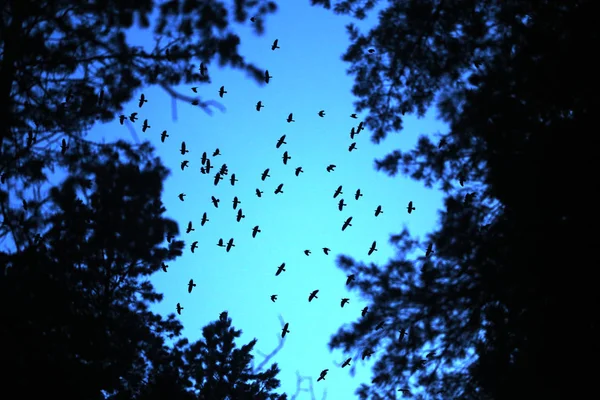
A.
x: 216, y: 152
x: 347, y: 223
x: 236, y: 201
x: 233, y: 180
x: 223, y: 170
x: 191, y: 285
x: 203, y: 69
x: 183, y: 150
x: 357, y: 194
x: 299, y: 171
x: 181, y: 196
x: 280, y: 142
x: 326, y: 250
x: 229, y: 245
x: 352, y: 147
x: 410, y: 207
x: 353, y: 116
x: 279, y: 189
x: 142, y: 100
x: 307, y: 252
x: 253, y: 19
x: 313, y: 295
x: 364, y: 311
x: 341, y: 204
x: 179, y: 308
x: 259, y: 105
x: 322, y: 113
x: 322, y: 375
x: 285, y: 329
x: 267, y: 76
x: 204, y: 219
x: 280, y: 269
x: 265, y: 174
x: 360, y: 127
x: 259, y: 193
x: 378, y: 211
x: 204, y: 158
x: 367, y: 353
x: 163, y: 136
x: 189, y: 227
x: 373, y: 247
x: 273, y: 298
x: 220, y: 243
x: 338, y: 191
x: 255, y: 230
x: 371, y: 51
x: 290, y: 118
x: 222, y: 91
x: 330, y: 167
x: 122, y: 118
x: 285, y: 158
x: 195, y: 89
x: 349, y: 279
x: 218, y: 177
x: 133, y: 117
x: 215, y: 201
x: 275, y: 45
x: 63, y: 146
x: 347, y: 362
x: 240, y: 215
x: 352, y: 133
x: 145, y: 125
x: 344, y: 301
x: 164, y: 266
x: 429, y: 250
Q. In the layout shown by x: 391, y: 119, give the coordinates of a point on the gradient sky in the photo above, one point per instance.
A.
x: 308, y: 75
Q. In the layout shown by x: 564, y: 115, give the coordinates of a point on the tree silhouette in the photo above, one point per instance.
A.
x: 516, y: 84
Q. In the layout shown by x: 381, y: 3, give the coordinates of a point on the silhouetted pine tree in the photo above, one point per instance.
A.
x: 507, y: 292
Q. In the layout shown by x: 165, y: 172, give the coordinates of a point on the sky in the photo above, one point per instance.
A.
x: 308, y: 76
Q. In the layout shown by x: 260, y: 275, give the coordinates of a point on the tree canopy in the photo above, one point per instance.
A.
x: 487, y: 315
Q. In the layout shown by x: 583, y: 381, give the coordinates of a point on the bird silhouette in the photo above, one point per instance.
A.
x: 133, y: 117
x: 181, y: 196
x: 142, y: 100
x: 273, y: 298
x: 240, y: 215
x: 429, y: 250
x: 326, y: 250
x: 347, y: 362
x: 322, y: 375
x: 259, y: 105
x: 347, y: 223
x: 184, y: 164
x: 63, y: 147
x: 410, y: 207
x: 220, y: 243
x: 275, y: 45
x: 373, y: 247
x: 352, y: 133
x: 357, y: 195
x: 203, y: 69
x: 163, y: 136
x: 204, y: 158
x: 267, y: 76
x: 222, y: 91
x: 313, y: 295
x: 285, y: 157
x: 235, y: 202
x: 145, y: 125
x: 322, y: 113
x: 195, y: 89
x: 194, y: 246
x: 204, y: 219
x: 217, y: 152
x: 223, y: 170
x: 233, y: 180
x: 179, y: 308
x: 371, y: 51
x: 378, y: 211
x: 230, y: 245
x: 380, y: 325
x: 279, y: 189
x: 402, y: 333
x: 191, y: 285
x: 255, y: 230
x: 364, y: 311
x: 360, y: 127
x: 122, y: 118
x: 367, y: 353
x: 183, y: 150
x: 280, y: 269
x: 164, y: 267
x: 331, y: 167
x: 299, y: 171
x: 265, y: 175
x: 259, y: 193
x: 353, y: 116
x: 218, y: 177
x: 285, y: 329
x: 307, y: 252
x: 189, y: 227
x: 341, y: 204
x: 352, y: 147
x: 344, y: 301
x: 349, y: 279
x: 253, y: 19
x: 290, y: 118
x: 215, y: 201
x: 338, y: 191
x: 280, y: 142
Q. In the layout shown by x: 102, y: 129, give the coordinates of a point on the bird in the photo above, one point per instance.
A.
x: 285, y: 329
x: 191, y: 285
x: 367, y: 353
x: 202, y: 69
x: 378, y: 211
x: 229, y: 245
x: 204, y: 219
x: 215, y: 201
x: 218, y: 177
x: 133, y: 117
x: 259, y: 193
x: 195, y: 89
x: 307, y: 252
x: 163, y: 136
x: 222, y: 91
x: 204, y: 158
x: 181, y: 196
x: 353, y: 116
x: 337, y: 192
x: 223, y: 170
x: 279, y: 189
x: 299, y: 171
x: 63, y: 147
x: 253, y: 19
x: 259, y: 105
x: 380, y: 325
x: 183, y: 150
x: 235, y: 202
x: 326, y: 250
x: 280, y: 142
x: 280, y: 269
x: 322, y: 375
x: 145, y: 125
x: 322, y: 113
x: 255, y: 230
x: 216, y: 152
x: 220, y: 243
x: 122, y: 118
x: 371, y: 51
x: 349, y: 278
x: 341, y: 204
x: 352, y: 147
x: 267, y: 76
x: 352, y: 133
x: 364, y: 311
x: 347, y: 223
x: 265, y: 175
x: 330, y: 167
x: 285, y: 158
x: 313, y: 295
x: 360, y: 127
x: 429, y: 250
x: 240, y: 215
x: 273, y: 298
x: 179, y: 308
x: 373, y: 247
x: 357, y: 195
x: 347, y: 362
x: 344, y: 301
x: 233, y: 180
x: 402, y: 333
x: 290, y: 118
x: 275, y: 45
x: 410, y: 207
x: 164, y: 266
x: 142, y: 100
x: 189, y: 227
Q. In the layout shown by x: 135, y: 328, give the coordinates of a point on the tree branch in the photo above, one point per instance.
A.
x: 272, y: 354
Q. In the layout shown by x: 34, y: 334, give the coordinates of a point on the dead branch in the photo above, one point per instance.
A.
x: 310, y: 389
x: 268, y: 357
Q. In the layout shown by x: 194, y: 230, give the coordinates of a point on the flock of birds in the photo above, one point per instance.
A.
x: 206, y: 168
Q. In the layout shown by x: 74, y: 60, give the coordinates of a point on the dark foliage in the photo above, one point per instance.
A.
x: 506, y: 300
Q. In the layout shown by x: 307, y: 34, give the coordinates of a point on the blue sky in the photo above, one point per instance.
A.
x: 308, y: 76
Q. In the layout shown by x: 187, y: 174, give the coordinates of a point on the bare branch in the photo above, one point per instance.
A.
x: 272, y: 354
x: 204, y: 105
x: 310, y: 389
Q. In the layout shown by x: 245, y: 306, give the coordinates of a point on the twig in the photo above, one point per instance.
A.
x: 272, y: 354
